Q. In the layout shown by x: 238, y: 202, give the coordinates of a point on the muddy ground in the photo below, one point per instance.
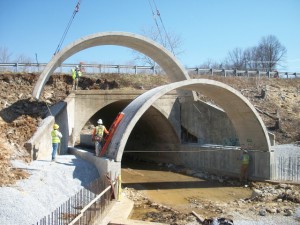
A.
x: 276, y: 100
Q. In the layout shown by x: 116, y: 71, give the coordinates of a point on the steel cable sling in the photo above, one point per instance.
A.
x: 68, y: 27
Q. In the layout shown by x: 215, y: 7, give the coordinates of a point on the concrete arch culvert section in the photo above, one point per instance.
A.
x: 247, y: 122
x: 173, y: 69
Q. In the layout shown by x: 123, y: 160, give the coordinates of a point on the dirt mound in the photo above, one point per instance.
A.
x: 277, y: 100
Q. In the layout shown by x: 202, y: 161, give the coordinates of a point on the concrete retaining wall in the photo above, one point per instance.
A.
x: 286, y: 163
x: 40, y: 144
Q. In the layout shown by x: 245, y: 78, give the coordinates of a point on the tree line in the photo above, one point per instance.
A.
x: 267, y: 55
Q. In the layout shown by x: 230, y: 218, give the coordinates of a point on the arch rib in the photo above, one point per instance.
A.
x: 171, y: 66
x: 246, y: 120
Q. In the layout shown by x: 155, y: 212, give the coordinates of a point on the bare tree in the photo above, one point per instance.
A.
x: 211, y: 64
x: 270, y: 52
x: 170, y: 41
x: 266, y: 56
x: 4, y: 55
x: 24, y: 59
x: 236, y: 59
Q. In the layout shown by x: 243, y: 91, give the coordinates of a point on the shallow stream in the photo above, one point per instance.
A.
x: 178, y: 191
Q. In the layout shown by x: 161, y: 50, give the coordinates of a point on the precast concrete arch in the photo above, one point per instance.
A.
x: 247, y: 122
x: 173, y: 69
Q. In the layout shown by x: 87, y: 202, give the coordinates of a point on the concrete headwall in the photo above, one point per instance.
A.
x: 213, y: 160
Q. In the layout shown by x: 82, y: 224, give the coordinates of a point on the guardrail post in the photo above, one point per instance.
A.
x: 211, y: 72
x: 235, y: 72
x: 135, y: 70
x: 224, y: 72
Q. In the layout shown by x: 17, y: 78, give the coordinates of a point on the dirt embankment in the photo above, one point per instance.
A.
x: 276, y: 100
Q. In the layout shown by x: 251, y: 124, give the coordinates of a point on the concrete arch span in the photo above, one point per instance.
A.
x: 247, y: 122
x: 172, y: 67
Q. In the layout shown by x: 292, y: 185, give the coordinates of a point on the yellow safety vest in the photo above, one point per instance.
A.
x: 245, y: 159
x: 76, y: 75
x: 99, y: 130
x: 55, y: 138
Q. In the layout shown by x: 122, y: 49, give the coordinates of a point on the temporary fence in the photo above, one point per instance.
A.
x: 87, y: 206
x: 134, y: 69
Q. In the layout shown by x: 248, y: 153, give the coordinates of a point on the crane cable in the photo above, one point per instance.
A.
x: 158, y: 14
x: 154, y: 17
x: 68, y: 27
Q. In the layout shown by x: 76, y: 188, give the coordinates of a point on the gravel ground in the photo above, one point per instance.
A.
x: 50, y: 185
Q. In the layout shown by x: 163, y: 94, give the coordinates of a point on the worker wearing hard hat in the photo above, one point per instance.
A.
x: 97, y: 136
x: 56, y: 136
x: 76, y: 73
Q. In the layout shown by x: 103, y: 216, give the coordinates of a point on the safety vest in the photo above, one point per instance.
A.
x: 76, y: 74
x: 55, y: 138
x: 99, y: 130
x: 245, y: 159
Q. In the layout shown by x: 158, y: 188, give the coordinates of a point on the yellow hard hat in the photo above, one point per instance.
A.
x: 55, y: 126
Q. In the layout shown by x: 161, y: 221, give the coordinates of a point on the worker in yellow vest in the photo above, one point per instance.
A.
x: 76, y: 73
x: 245, y: 160
x: 56, y: 136
x: 97, y: 136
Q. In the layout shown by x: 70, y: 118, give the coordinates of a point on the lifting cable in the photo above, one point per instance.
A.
x: 68, y: 27
x: 154, y: 17
x: 158, y: 14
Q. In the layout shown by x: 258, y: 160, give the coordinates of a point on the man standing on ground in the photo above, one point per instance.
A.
x: 56, y: 136
x: 97, y: 136
x: 245, y: 159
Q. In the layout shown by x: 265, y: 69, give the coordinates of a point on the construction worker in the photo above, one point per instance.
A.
x: 97, y: 136
x: 245, y: 159
x: 56, y: 136
x: 76, y: 73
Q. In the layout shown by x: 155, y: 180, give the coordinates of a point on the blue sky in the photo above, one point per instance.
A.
x: 209, y: 29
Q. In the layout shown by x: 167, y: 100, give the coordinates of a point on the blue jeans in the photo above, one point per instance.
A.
x: 98, y: 147
x: 54, y: 150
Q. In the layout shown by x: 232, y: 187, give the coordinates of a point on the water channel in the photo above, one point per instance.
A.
x: 178, y: 190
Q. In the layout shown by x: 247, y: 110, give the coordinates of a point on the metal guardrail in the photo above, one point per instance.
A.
x: 85, y: 207
x: 88, y: 68
x: 129, y: 69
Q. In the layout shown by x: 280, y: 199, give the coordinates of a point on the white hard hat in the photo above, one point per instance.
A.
x: 99, y: 121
